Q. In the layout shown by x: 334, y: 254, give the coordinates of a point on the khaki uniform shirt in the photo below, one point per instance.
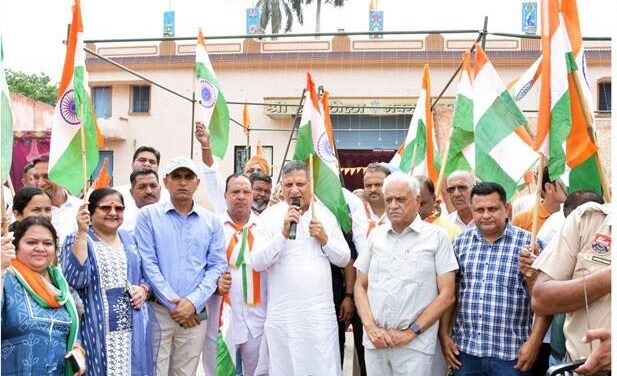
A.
x: 582, y: 247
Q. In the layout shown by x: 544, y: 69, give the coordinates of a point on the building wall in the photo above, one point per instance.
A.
x: 252, y: 72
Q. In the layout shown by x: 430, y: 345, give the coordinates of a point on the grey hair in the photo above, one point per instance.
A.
x: 292, y: 166
x: 399, y: 177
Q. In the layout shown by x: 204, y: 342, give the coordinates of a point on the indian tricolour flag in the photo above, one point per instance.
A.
x: 6, y: 123
x: 420, y: 145
x: 73, y: 112
x: 225, y: 346
x: 214, y: 111
x: 563, y: 136
x: 462, y: 153
x: 313, y: 142
x: 502, y: 154
x: 520, y: 86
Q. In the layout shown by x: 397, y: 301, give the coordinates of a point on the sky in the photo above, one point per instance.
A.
x: 33, y: 39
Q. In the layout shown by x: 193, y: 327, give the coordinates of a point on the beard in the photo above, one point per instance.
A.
x: 260, y: 205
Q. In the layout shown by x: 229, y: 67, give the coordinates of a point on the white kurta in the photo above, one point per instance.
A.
x: 300, y: 332
x: 247, y: 321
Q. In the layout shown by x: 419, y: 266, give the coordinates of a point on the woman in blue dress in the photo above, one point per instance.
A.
x: 101, y: 262
x: 39, y: 319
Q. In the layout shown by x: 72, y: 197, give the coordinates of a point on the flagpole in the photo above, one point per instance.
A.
x: 536, y: 207
x: 413, y: 157
x: 442, y: 170
x: 5, y: 217
x: 606, y: 189
x: 312, y: 186
x: 84, y: 169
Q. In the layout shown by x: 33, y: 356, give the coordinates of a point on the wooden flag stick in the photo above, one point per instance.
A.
x: 84, y: 168
x: 536, y: 208
x: 312, y: 186
x: 5, y: 217
x: 413, y: 158
x: 442, y: 170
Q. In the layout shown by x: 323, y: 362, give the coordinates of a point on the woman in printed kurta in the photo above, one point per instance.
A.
x: 102, y: 264
x: 39, y: 318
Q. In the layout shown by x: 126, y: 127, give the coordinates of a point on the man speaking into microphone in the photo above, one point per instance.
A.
x: 300, y: 332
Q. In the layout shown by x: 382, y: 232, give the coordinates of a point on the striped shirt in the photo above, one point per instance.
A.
x: 494, y: 315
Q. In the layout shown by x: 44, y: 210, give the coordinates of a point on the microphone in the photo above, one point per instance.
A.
x: 293, y: 227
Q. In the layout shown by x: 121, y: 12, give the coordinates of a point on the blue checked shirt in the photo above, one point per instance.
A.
x: 494, y: 315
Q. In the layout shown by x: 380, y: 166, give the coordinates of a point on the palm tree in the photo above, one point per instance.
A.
x: 336, y: 3
x: 272, y: 12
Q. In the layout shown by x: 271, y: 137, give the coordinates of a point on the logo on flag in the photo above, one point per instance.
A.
x: 324, y: 149
x: 67, y: 109
x: 524, y: 90
x: 208, y: 96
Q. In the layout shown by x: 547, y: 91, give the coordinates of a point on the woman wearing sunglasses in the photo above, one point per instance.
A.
x: 39, y: 317
x: 101, y: 262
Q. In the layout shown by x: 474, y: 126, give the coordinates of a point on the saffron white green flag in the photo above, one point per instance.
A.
x: 225, y: 346
x: 462, y: 153
x: 420, y: 145
x: 563, y: 136
x: 214, y: 111
x: 519, y: 87
x: 73, y: 111
x: 313, y: 142
x: 6, y: 122
x: 502, y: 155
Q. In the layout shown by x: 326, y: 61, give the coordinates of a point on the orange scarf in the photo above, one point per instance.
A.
x: 371, y: 222
x: 433, y: 217
x: 36, y: 283
x: 251, y: 280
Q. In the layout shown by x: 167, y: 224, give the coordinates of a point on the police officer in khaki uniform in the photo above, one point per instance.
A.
x: 575, y: 265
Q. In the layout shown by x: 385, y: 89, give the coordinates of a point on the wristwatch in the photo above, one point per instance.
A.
x: 415, y: 327
x: 349, y: 295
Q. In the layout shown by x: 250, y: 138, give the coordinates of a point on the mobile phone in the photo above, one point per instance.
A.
x: 203, y: 315
x: 77, y: 360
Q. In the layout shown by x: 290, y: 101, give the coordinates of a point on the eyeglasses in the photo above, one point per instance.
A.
x: 461, y: 188
x: 107, y: 208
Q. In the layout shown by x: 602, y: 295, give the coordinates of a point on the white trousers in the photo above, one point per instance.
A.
x: 249, y: 350
x: 398, y: 361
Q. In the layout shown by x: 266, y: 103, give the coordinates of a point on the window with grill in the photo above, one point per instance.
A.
x: 140, y: 99
x: 604, y: 96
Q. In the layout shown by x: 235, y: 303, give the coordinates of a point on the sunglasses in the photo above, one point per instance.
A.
x: 461, y: 188
x: 107, y: 208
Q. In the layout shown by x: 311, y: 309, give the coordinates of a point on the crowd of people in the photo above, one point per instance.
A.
x: 132, y: 280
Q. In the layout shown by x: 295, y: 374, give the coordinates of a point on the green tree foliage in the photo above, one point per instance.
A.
x: 336, y: 3
x: 35, y: 86
x: 272, y: 12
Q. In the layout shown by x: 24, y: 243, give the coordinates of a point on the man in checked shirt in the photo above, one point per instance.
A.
x: 493, y: 332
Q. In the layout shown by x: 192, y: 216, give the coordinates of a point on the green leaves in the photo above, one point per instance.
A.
x: 35, y: 86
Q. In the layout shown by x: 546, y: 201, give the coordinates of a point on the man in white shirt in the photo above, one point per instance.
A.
x: 300, y: 331
x: 64, y: 206
x: 248, y: 295
x: 374, y: 204
x: 145, y: 190
x: 458, y: 186
x: 144, y: 156
x: 405, y: 283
